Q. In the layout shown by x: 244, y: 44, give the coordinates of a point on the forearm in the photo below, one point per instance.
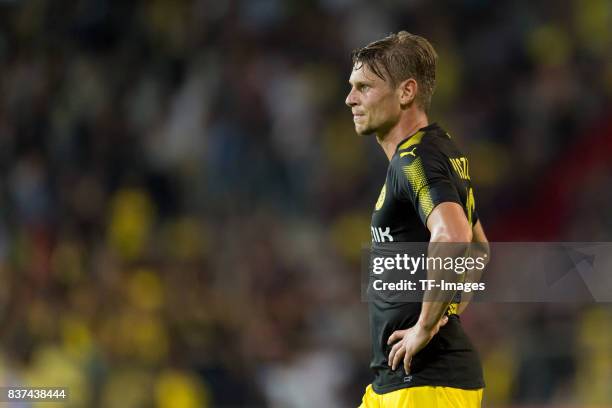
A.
x: 436, y: 299
x: 431, y: 313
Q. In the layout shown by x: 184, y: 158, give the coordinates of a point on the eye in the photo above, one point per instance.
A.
x: 364, y: 88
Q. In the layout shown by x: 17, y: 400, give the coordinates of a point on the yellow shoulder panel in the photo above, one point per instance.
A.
x: 416, y: 139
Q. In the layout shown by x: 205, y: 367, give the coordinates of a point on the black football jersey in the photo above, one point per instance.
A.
x: 427, y: 169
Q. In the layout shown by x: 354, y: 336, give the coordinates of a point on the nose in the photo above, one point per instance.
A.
x: 350, y: 99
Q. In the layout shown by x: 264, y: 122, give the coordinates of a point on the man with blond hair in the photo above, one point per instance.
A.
x: 421, y: 355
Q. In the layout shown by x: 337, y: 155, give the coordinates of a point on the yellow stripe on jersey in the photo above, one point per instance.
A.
x: 416, y: 177
x: 416, y: 139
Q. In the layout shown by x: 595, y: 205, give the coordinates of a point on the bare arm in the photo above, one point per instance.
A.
x: 447, y: 224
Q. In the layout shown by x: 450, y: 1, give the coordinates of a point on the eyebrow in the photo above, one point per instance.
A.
x: 360, y: 83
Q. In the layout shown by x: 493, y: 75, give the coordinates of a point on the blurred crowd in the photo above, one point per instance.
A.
x: 183, y: 198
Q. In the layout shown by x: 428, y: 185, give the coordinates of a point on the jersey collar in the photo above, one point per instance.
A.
x: 415, y: 137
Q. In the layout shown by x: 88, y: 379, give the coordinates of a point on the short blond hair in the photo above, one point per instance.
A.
x: 401, y: 56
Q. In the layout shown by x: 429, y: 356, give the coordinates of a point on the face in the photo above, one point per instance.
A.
x: 374, y: 103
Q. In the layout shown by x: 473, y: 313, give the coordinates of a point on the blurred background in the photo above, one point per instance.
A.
x: 183, y: 197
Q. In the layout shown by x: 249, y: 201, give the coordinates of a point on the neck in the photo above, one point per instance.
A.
x: 408, y: 124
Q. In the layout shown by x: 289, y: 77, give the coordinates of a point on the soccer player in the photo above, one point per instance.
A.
x: 421, y: 355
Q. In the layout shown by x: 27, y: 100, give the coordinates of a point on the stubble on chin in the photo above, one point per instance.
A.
x: 364, y: 131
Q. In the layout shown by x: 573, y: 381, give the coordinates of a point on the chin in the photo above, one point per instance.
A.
x: 363, y: 131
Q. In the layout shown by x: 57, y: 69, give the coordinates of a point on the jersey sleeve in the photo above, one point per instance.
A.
x: 424, y: 179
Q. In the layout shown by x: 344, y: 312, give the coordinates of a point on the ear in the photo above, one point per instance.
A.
x: 407, y: 91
